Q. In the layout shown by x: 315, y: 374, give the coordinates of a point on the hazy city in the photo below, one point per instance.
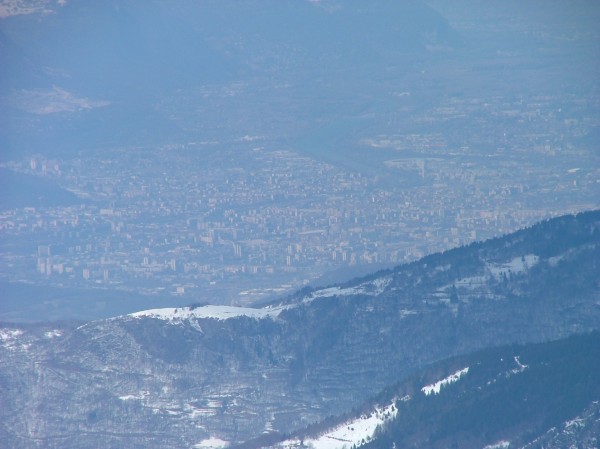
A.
x: 259, y: 220
x: 299, y: 224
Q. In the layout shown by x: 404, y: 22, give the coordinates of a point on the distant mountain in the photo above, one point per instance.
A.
x: 532, y: 396
x: 201, y: 376
x: 102, y: 47
x: 123, y: 58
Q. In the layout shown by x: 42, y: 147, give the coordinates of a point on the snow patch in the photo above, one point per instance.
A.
x: 471, y: 283
x: 53, y: 333
x: 443, y: 268
x: 132, y: 397
x: 498, y: 445
x: 436, y: 387
x: 553, y: 261
x: 516, y: 266
x: 11, y: 339
x: 495, y: 271
x: 10, y: 335
x: 380, y: 284
x: 196, y: 412
x: 211, y: 443
x: 356, y: 432
x: 371, y: 288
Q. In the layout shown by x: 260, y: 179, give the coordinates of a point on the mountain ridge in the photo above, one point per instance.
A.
x: 510, y: 396
x: 178, y: 377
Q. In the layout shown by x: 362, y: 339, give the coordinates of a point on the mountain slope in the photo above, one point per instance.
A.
x: 177, y: 377
x: 516, y: 396
x: 512, y: 396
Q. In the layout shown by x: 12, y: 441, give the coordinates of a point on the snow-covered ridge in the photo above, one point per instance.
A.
x: 436, y: 387
x: 354, y: 433
x: 179, y: 314
x: 207, y: 312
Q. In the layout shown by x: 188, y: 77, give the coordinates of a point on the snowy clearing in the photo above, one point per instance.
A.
x: 373, y: 288
x: 351, y: 433
x: 516, y: 266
